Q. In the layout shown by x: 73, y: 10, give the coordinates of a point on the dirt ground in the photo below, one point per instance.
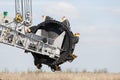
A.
x: 58, y: 76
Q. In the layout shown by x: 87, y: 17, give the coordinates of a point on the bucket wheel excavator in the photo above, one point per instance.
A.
x: 51, y: 42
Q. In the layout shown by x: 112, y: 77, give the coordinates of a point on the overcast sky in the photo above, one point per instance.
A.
x: 98, y: 21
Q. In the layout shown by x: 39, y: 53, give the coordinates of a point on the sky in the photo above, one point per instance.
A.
x: 98, y: 22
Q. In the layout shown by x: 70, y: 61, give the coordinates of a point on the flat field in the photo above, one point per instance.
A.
x: 58, y: 76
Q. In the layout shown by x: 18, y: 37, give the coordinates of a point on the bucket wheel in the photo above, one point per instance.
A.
x: 52, y: 29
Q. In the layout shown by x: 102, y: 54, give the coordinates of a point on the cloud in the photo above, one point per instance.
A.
x: 89, y: 29
x: 104, y: 40
x: 95, y: 34
x: 59, y: 9
x: 6, y: 3
x: 110, y: 10
x: 115, y: 11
